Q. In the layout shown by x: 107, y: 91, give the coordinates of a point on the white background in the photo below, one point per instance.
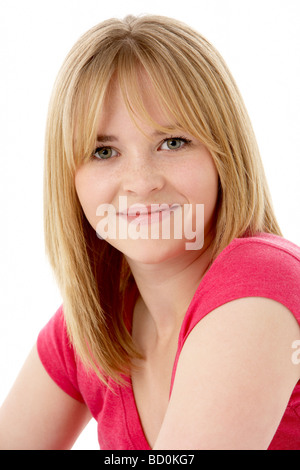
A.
x: 260, y: 41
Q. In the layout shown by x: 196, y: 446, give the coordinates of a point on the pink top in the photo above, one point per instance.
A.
x: 261, y: 266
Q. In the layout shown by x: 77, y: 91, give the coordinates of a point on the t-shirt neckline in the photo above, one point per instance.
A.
x: 131, y: 411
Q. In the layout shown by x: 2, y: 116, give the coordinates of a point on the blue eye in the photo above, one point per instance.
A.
x: 104, y: 153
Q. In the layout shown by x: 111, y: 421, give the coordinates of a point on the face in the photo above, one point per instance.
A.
x: 143, y: 190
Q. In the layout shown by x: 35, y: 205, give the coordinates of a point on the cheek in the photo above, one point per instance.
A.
x: 90, y: 194
x: 203, y: 183
x: 203, y: 189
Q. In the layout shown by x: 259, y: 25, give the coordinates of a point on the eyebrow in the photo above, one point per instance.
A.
x: 112, y: 138
x: 106, y: 138
x: 160, y: 133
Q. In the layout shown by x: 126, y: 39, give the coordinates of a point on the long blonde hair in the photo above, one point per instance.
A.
x: 196, y: 88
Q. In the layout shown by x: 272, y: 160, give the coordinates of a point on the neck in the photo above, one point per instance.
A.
x: 166, y: 290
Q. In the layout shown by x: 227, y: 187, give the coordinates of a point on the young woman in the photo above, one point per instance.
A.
x: 185, y: 341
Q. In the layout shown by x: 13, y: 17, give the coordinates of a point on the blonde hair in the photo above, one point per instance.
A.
x: 196, y: 88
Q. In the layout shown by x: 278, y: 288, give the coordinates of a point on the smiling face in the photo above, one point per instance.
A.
x: 143, y: 166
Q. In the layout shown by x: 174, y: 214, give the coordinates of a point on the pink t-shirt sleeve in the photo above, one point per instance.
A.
x: 57, y: 355
x: 250, y: 268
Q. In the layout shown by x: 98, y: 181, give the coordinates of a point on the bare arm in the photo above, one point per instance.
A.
x: 37, y: 414
x: 234, y: 378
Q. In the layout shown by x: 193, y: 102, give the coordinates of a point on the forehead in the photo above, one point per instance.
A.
x: 141, y: 104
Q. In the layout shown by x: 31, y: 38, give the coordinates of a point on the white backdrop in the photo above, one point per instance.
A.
x: 260, y: 41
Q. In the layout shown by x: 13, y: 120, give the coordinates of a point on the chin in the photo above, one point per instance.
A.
x: 150, y: 251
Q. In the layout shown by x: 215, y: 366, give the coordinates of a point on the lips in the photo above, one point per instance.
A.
x: 136, y: 210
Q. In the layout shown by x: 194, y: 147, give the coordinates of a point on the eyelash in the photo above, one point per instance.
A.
x: 184, y: 140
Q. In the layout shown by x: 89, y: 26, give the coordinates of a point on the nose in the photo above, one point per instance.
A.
x: 142, y: 177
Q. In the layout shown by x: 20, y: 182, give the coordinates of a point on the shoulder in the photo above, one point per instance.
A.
x: 257, y: 257
x: 64, y: 366
x: 57, y: 355
x: 263, y: 247
x: 265, y: 266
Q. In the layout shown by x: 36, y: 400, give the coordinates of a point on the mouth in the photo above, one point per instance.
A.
x: 147, y: 213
